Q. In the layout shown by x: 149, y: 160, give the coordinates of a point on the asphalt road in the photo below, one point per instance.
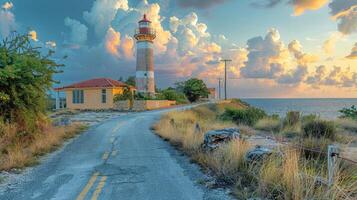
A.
x: 120, y: 159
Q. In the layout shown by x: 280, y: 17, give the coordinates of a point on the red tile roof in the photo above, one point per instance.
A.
x: 96, y: 83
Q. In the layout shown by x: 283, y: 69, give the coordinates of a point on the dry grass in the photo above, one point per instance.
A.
x: 268, y: 124
x: 348, y: 124
x: 291, y: 175
x: 18, y: 151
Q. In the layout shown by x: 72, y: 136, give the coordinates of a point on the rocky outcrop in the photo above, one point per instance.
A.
x: 258, y: 153
x: 215, y: 138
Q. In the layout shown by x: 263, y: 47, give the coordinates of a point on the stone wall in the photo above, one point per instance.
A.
x: 142, y: 105
x: 122, y: 105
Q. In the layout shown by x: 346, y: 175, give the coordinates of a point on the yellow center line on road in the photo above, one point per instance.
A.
x: 89, y: 185
x: 105, y: 156
x: 99, y: 188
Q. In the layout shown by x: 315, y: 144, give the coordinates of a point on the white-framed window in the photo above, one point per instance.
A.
x: 104, y: 96
x: 77, y: 96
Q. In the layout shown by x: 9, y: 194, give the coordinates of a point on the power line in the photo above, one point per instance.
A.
x: 225, y: 76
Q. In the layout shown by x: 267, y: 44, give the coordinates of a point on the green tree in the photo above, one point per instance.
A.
x: 25, y: 78
x: 347, y: 112
x: 131, y: 81
x: 194, y: 89
x: 126, y: 95
x: 172, y: 95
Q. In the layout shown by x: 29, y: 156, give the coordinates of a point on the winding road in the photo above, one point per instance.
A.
x: 120, y: 159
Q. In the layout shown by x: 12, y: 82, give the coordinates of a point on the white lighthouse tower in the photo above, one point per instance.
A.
x: 145, y: 35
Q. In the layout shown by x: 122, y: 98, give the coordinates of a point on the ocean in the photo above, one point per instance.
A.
x: 325, y: 108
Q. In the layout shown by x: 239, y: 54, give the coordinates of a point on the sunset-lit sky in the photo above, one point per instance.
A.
x: 279, y: 48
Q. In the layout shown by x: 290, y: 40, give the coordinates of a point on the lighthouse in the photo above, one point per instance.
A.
x: 145, y: 35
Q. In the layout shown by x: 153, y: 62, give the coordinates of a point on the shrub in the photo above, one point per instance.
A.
x: 268, y: 124
x: 126, y: 95
x: 172, y: 95
x: 248, y: 116
x: 349, y: 112
x: 194, y: 89
x: 319, y: 129
x: 292, y: 118
x: 347, y: 124
x: 308, y: 118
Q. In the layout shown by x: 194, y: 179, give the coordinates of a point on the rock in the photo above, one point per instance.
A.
x: 215, y: 138
x: 258, y: 153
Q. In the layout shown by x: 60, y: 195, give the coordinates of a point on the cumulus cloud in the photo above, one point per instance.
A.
x: 33, y: 35
x: 118, y: 46
x: 128, y: 47
x: 300, y: 6
x: 112, y: 42
x: 302, y: 58
x: 337, y: 76
x: 7, y: 22
x: 353, y: 54
x: 345, y: 12
x: 317, y: 78
x: 7, y: 5
x: 78, y: 33
x: 102, y: 14
x: 330, y: 43
x: 266, y: 56
x: 200, y: 3
x: 295, y: 76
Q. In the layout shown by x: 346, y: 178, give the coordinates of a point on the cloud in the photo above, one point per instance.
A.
x: 302, y: 58
x: 294, y: 77
x: 51, y: 44
x: 128, y: 47
x: 353, y: 54
x: 33, y: 35
x: 7, y: 20
x: 265, y: 3
x: 266, y: 56
x: 300, y: 6
x: 199, y: 3
x: 330, y: 43
x: 7, y: 5
x: 345, y: 12
x: 78, y: 34
x: 102, y: 14
x: 112, y: 42
x: 337, y: 76
x: 317, y: 78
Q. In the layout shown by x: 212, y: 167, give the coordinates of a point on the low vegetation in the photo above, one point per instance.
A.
x: 292, y: 174
x: 25, y: 78
x: 18, y: 151
x: 191, y: 90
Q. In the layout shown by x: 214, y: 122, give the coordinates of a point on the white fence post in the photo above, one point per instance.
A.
x: 332, y: 154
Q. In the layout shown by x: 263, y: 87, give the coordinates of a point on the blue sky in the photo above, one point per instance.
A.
x: 296, y: 49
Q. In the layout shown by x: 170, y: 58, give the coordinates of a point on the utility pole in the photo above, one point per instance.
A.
x: 219, y: 88
x: 225, y: 76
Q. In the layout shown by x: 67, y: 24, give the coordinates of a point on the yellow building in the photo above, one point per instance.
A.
x: 93, y: 94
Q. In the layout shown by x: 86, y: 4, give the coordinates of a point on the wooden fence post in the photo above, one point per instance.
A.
x: 332, y: 154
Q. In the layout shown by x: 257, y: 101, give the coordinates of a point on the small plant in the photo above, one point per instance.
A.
x: 268, y: 124
x: 292, y: 118
x: 320, y: 129
x: 349, y: 112
x: 126, y: 95
x: 248, y: 116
